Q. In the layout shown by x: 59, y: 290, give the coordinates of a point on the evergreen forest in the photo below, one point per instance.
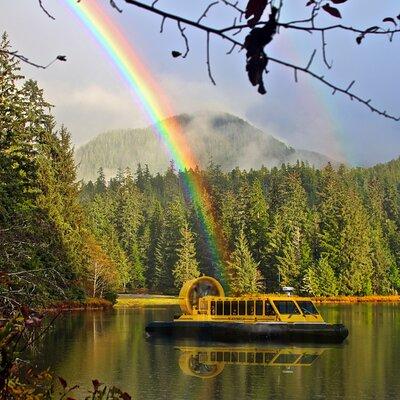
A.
x: 329, y: 231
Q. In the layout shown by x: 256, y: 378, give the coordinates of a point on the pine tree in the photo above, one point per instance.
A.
x: 321, y: 280
x: 186, y: 267
x: 289, y: 249
x: 243, y: 271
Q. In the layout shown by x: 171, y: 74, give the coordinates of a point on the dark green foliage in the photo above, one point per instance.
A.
x: 325, y: 232
x: 228, y: 140
x: 43, y: 235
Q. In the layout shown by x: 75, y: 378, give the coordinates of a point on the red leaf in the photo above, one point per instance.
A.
x: 96, y: 384
x: 256, y: 9
x: 126, y: 396
x: 390, y: 19
x: 63, y: 382
x: 359, y: 39
x: 332, y: 11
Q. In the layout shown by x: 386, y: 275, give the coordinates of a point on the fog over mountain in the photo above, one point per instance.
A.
x: 223, y: 138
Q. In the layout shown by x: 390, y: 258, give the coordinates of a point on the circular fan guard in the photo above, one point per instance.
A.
x: 197, y: 288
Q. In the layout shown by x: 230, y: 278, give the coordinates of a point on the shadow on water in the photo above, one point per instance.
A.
x: 111, y: 346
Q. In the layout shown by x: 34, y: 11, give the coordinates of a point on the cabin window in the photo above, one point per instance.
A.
x: 286, y: 307
x: 307, y: 307
x: 227, y: 308
x: 234, y: 308
x: 219, y: 308
x: 242, y: 308
x: 269, y: 310
x: 250, y: 358
x: 250, y: 307
x: 287, y: 358
x: 259, y: 307
x: 308, y: 359
x: 212, y: 308
x: 259, y: 358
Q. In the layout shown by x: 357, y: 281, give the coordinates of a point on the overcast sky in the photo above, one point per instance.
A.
x: 90, y: 96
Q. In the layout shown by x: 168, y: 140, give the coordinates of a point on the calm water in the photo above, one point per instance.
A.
x: 111, y: 347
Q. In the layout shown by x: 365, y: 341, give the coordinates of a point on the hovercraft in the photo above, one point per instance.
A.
x: 207, y: 315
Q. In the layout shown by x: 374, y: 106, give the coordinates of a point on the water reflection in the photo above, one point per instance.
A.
x: 111, y: 347
x: 209, y: 362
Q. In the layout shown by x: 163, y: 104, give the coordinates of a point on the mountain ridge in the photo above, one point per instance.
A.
x: 226, y: 139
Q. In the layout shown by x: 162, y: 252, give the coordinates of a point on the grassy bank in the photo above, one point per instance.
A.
x: 148, y: 301
x: 357, y: 299
x: 88, y: 304
x: 159, y: 301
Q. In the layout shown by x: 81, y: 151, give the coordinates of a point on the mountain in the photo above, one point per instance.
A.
x: 226, y: 139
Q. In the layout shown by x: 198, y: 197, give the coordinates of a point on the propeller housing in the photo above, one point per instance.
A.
x: 192, y: 291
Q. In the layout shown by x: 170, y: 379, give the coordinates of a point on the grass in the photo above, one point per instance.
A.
x: 159, y: 301
x: 88, y: 304
x: 358, y: 299
x: 153, y: 301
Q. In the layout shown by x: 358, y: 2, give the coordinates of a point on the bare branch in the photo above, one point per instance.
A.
x: 44, y: 10
x: 311, y: 59
x: 114, y: 5
x: 162, y: 24
x: 27, y: 61
x: 336, y: 88
x: 225, y: 34
x: 182, y: 31
x: 329, y: 66
x: 204, y: 15
x: 234, y: 6
x: 231, y: 49
x: 208, y: 59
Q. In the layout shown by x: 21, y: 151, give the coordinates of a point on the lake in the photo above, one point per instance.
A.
x: 111, y: 346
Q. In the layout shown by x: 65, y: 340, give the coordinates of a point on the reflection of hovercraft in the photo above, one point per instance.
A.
x: 208, y: 362
x: 209, y: 315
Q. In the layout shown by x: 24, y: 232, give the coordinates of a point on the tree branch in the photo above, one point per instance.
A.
x: 44, y: 10
x: 335, y: 88
x: 27, y: 61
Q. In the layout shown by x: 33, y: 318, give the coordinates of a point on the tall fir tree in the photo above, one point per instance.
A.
x: 244, y: 275
x: 186, y: 267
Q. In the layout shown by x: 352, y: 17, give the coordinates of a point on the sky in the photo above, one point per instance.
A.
x: 90, y: 97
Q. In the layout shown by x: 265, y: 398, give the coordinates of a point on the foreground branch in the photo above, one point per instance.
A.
x: 27, y: 61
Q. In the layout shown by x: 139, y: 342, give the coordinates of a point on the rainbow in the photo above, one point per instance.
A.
x: 159, y: 112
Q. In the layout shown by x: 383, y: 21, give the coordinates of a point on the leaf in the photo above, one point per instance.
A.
x: 96, y: 384
x: 63, y: 382
x: 372, y: 29
x: 332, y: 11
x: 310, y: 2
x: 360, y: 38
x: 62, y: 58
x: 256, y: 59
x: 126, y: 396
x: 338, y: 1
x: 176, y: 54
x: 398, y: 17
x: 256, y: 9
x: 390, y: 19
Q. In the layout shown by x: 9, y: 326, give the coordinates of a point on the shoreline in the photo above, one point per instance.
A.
x: 137, y: 302
x: 134, y: 301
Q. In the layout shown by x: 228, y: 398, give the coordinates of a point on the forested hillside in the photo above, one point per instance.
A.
x: 47, y: 253
x: 325, y: 232
x: 226, y: 139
